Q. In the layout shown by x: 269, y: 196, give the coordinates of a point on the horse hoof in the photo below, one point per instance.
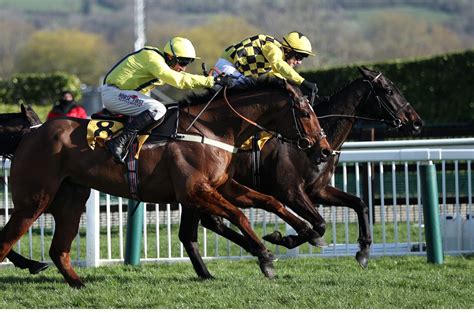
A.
x: 38, y: 267
x: 318, y: 242
x: 274, y: 237
x: 363, y: 259
x: 265, y: 261
x: 267, y: 269
x: 207, y: 277
x: 77, y: 284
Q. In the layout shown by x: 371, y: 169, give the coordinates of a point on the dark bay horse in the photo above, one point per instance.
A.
x: 54, y: 169
x: 301, y: 183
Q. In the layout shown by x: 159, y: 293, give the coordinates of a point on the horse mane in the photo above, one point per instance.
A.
x: 255, y: 84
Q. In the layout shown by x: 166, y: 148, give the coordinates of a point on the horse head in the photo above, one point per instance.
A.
x: 13, y: 126
x: 304, y: 123
x: 390, y: 103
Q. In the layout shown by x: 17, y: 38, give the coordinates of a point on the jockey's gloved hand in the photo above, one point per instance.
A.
x: 224, y: 80
x: 312, y: 87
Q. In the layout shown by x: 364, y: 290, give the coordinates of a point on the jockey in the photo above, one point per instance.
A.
x: 262, y: 54
x: 126, y: 86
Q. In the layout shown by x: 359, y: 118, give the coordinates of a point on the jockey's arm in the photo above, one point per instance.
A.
x: 181, y: 80
x: 275, y: 57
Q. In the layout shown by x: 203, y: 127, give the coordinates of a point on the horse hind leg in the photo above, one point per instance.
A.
x: 188, y: 235
x: 67, y: 208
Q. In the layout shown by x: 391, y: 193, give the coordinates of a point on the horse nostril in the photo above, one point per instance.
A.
x: 325, y: 153
x: 417, y: 124
x: 397, y: 123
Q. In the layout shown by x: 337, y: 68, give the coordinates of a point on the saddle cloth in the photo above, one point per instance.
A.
x: 264, y: 137
x: 103, y: 127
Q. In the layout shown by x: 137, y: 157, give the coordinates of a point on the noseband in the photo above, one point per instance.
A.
x: 303, y: 141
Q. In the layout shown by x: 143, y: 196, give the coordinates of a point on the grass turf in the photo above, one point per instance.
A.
x: 390, y: 282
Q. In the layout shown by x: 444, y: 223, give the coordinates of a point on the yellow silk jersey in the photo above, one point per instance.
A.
x: 146, y: 68
x: 259, y: 55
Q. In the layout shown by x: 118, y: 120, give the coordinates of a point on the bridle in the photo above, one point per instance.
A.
x: 302, y: 142
x: 395, y: 123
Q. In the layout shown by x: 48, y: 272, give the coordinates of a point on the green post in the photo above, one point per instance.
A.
x: 133, y: 241
x: 429, y: 192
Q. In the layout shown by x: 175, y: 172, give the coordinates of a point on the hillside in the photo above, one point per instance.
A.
x: 342, y: 31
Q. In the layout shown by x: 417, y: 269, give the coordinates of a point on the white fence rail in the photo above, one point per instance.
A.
x: 394, y: 202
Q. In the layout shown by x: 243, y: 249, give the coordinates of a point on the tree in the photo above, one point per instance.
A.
x: 12, y: 33
x: 209, y: 39
x: 397, y: 35
x: 84, y: 54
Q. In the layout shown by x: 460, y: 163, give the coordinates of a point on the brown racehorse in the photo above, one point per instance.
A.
x: 54, y: 168
x: 301, y: 183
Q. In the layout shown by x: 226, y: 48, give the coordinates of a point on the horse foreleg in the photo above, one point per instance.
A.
x: 188, y: 230
x: 67, y: 208
x: 246, y: 197
x: 301, y: 204
x: 216, y: 224
x: 335, y: 197
x: 212, y: 202
x: 21, y: 262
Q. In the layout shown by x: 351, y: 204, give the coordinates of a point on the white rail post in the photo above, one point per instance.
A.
x: 93, y: 229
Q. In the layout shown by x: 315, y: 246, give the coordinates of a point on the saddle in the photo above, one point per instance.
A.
x: 104, y: 125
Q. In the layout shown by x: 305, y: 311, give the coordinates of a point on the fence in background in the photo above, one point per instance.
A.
x: 385, y: 174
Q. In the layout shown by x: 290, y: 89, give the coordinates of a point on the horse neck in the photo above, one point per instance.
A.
x: 218, y: 121
x: 346, y: 101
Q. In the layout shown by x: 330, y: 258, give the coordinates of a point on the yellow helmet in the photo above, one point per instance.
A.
x: 180, y: 47
x: 297, y: 42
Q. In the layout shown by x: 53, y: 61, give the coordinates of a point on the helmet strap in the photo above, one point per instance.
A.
x: 288, y: 44
x: 170, y: 60
x: 172, y: 49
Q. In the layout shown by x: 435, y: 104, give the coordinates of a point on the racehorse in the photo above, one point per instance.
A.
x: 301, y: 183
x: 53, y: 169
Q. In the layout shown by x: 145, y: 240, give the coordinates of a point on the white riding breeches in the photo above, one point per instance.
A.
x: 130, y: 102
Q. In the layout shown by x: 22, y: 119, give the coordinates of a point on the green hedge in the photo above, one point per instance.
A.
x: 38, y: 88
x: 440, y: 88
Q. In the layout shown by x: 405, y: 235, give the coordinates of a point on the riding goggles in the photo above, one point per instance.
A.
x: 184, y: 61
x: 300, y: 56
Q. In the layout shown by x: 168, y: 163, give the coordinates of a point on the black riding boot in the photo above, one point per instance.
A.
x: 118, y: 146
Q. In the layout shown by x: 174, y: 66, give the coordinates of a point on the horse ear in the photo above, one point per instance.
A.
x: 364, y: 71
x: 23, y: 109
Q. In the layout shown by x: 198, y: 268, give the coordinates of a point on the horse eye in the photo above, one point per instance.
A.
x: 390, y: 92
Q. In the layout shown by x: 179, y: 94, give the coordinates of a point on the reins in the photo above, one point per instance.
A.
x: 396, y: 123
x: 205, y: 107
x: 275, y: 134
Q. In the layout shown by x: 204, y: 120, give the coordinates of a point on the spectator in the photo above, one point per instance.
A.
x: 66, y: 106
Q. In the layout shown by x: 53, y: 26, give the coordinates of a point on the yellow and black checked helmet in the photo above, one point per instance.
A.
x: 297, y: 42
